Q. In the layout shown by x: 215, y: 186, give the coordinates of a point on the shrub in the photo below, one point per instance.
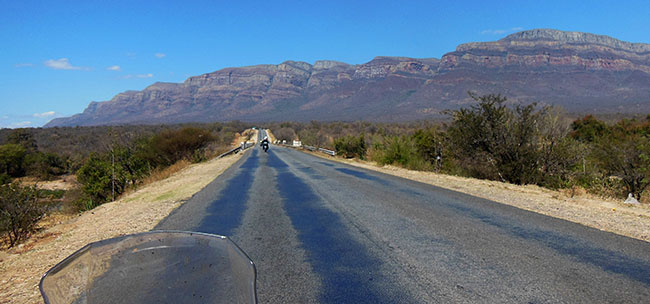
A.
x: 96, y: 179
x: 505, y: 140
x: 395, y: 150
x: 44, y: 165
x: 403, y: 151
x: 12, y: 157
x: 429, y: 144
x: 24, y: 138
x: 560, y: 163
x: 588, y: 129
x: 20, y: 211
x: 626, y: 156
x: 4, y: 179
x: 350, y: 146
x: 130, y: 165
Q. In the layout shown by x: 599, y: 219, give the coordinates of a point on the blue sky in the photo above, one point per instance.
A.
x: 57, y: 56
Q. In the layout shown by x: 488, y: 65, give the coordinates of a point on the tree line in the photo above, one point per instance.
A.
x: 108, y: 168
x: 492, y: 139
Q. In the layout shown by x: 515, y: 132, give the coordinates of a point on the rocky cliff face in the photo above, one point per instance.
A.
x: 579, y: 71
x: 548, y: 48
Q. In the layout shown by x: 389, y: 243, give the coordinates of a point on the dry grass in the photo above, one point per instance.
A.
x: 158, y: 175
x: 65, y: 182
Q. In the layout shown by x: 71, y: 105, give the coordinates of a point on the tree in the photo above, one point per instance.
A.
x: 44, y: 165
x: 12, y: 158
x: 428, y: 143
x: 20, y: 211
x: 96, y: 177
x: 351, y: 146
x: 560, y: 154
x: 132, y: 167
x: 24, y: 138
x: 627, y: 156
x: 588, y: 129
x: 496, y: 141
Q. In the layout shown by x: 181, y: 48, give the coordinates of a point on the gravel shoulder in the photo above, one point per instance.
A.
x: 603, y: 214
x: 21, y: 268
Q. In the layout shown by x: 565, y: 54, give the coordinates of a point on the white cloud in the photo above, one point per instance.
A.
x: 23, y: 65
x: 20, y: 124
x: 160, y: 55
x: 492, y: 32
x: 138, y: 76
x: 501, y: 31
x: 44, y: 114
x: 114, y: 68
x: 61, y: 64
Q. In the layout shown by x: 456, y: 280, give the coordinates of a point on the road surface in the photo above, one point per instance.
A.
x: 324, y: 232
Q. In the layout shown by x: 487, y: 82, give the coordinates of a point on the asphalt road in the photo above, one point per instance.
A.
x: 322, y: 231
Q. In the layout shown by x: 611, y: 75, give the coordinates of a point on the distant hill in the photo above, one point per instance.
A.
x: 579, y: 71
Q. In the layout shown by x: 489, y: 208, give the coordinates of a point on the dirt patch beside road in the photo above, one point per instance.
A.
x: 21, y: 268
x: 603, y: 214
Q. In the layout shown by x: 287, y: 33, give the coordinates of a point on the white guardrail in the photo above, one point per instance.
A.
x: 244, y: 146
x: 313, y: 149
x: 330, y: 152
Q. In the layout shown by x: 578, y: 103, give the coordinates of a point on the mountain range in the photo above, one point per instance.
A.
x: 581, y: 72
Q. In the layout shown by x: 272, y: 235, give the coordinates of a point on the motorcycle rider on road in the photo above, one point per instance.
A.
x: 265, y: 143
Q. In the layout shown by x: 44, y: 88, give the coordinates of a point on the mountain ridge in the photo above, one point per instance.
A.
x: 579, y: 71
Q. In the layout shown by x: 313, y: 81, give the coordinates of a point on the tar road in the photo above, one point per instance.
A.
x: 323, y: 232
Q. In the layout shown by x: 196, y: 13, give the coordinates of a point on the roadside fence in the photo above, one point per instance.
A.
x: 243, y: 146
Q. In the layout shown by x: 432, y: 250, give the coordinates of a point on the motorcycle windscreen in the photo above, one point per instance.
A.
x: 154, y: 267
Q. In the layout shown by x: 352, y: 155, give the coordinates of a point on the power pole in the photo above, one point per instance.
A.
x: 113, y: 174
x: 112, y: 166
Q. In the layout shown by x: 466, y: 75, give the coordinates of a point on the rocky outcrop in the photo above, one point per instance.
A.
x: 579, y: 71
x: 548, y: 48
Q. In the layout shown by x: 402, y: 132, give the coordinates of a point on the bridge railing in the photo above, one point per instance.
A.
x: 244, y: 146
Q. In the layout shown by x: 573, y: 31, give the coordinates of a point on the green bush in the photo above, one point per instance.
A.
x: 501, y: 142
x: 96, y: 177
x: 12, y: 157
x: 403, y: 150
x: 130, y: 165
x: 428, y: 143
x: 44, y: 165
x: 350, y: 146
x: 588, y: 129
x: 4, y: 179
x: 20, y: 211
x: 626, y: 156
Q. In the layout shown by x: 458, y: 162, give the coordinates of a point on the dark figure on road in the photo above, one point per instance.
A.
x: 265, y: 143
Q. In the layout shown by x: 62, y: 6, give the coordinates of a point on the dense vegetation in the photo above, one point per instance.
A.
x: 107, y: 161
x: 492, y: 139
